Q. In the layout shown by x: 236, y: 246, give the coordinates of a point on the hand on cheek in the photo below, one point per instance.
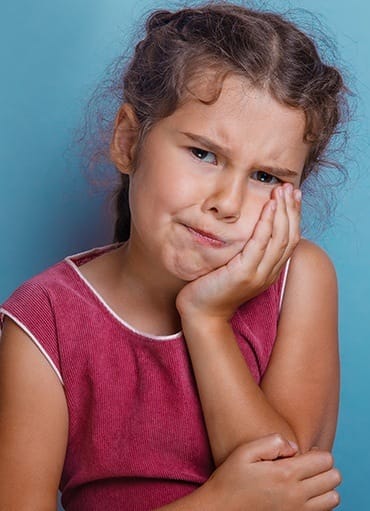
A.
x: 285, y: 233
x: 219, y: 293
x: 276, y: 234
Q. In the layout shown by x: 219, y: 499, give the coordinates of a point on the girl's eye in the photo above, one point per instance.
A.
x: 265, y: 177
x: 204, y: 155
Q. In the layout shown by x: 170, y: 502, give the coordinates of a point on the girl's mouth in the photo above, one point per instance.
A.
x: 205, y: 238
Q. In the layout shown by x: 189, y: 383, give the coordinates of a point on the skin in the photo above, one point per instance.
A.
x: 182, y: 283
x: 220, y: 194
x: 214, y: 193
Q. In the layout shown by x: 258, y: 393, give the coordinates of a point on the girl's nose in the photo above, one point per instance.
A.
x: 226, y: 199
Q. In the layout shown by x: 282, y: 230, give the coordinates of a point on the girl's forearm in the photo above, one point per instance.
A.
x: 234, y: 407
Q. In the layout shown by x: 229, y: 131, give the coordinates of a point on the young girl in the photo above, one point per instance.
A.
x: 193, y: 363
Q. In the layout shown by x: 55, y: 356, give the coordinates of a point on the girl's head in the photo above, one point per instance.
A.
x: 190, y: 54
x: 208, y: 168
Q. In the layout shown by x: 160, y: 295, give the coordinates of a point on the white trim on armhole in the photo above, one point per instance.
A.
x: 284, y: 283
x: 35, y: 341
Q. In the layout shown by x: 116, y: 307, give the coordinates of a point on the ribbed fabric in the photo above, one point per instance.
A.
x: 137, y: 437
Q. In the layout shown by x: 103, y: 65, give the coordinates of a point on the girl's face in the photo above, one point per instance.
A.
x: 211, y: 168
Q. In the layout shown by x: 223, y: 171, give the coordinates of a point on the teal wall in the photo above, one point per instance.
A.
x: 52, y: 55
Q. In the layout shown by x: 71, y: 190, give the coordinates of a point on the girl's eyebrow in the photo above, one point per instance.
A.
x: 278, y: 171
x: 214, y: 147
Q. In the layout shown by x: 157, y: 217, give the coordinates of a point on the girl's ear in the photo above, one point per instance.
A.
x: 124, y: 139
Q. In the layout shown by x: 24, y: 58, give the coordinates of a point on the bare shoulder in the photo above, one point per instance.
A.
x: 311, y: 267
x: 311, y: 293
x: 309, y: 254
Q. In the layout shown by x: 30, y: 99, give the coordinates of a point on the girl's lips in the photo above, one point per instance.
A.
x: 206, y: 238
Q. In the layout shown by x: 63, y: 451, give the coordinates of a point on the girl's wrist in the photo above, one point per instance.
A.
x: 199, y: 321
x: 194, y: 314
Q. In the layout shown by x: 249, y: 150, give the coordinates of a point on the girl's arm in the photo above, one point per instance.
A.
x: 33, y: 425
x: 298, y: 397
x: 302, y: 379
x: 264, y: 476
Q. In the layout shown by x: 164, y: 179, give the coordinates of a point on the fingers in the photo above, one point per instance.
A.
x: 322, y: 483
x: 291, y: 235
x: 285, y: 232
x: 274, y: 238
x: 325, y: 502
x: 268, y: 448
x: 255, y: 248
x: 287, y: 219
x: 310, y: 464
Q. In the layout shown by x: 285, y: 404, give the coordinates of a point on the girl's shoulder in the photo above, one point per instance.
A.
x: 311, y: 287
x: 309, y: 260
x: 49, y: 301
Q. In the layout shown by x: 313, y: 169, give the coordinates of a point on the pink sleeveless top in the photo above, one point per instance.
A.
x: 137, y: 437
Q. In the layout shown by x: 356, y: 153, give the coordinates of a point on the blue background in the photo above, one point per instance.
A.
x: 52, y: 55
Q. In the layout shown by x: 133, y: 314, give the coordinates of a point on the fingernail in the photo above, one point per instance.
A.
x: 280, y: 192
x: 273, y: 205
x: 297, y: 194
x: 293, y: 444
x: 289, y: 190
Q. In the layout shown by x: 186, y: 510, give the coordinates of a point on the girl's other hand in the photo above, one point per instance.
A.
x: 267, y: 475
x: 219, y: 293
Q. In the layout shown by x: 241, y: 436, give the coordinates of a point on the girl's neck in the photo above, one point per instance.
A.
x: 146, y: 276
x: 131, y: 288
x: 143, y: 286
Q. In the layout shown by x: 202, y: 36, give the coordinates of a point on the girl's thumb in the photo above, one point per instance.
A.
x: 270, y: 448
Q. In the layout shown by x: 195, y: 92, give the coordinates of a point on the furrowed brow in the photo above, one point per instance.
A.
x: 209, y: 144
x: 214, y: 147
x: 278, y: 171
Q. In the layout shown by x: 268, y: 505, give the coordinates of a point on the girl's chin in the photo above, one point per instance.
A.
x: 189, y: 273
x: 189, y: 265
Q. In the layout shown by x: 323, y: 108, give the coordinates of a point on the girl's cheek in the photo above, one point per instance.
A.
x: 250, y: 219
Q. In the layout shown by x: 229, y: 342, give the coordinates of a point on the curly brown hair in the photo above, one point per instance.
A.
x: 265, y: 48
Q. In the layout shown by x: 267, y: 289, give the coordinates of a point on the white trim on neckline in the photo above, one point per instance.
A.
x: 73, y: 265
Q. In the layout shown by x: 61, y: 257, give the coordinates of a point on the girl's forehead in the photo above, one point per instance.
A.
x: 248, y: 124
x: 240, y: 108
